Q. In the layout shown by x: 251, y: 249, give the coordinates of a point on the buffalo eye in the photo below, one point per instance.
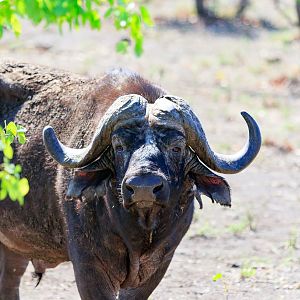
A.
x: 119, y: 148
x: 176, y: 149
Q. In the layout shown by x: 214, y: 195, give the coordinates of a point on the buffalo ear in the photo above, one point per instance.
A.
x: 212, y: 186
x: 84, y: 180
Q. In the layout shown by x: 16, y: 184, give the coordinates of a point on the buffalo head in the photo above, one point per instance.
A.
x: 158, y: 155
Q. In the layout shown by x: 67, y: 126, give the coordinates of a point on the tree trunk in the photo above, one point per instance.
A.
x: 298, y: 11
x: 202, y: 11
x: 242, y: 7
x: 205, y: 13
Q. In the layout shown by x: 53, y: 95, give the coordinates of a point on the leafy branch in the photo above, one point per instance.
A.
x: 128, y: 15
x: 11, y: 183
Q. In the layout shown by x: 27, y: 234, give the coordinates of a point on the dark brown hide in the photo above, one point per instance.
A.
x: 34, y: 97
x: 116, y: 247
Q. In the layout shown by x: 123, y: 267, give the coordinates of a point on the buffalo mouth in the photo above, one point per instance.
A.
x: 146, y: 212
x: 147, y: 217
x: 144, y: 204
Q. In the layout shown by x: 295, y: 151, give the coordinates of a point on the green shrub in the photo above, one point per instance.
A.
x: 11, y: 183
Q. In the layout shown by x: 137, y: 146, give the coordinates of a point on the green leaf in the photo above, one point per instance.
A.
x: 20, y: 200
x: 16, y: 25
x: 122, y: 46
x: 32, y: 8
x: 10, y: 183
x: 23, y: 186
x: 9, y: 137
x: 217, y: 277
x: 3, y: 194
x: 9, y: 168
x: 94, y: 19
x: 138, y: 48
x: 11, y: 127
x: 146, y: 16
x: 21, y: 134
x: 12, y: 191
x: 18, y: 169
x: 21, y: 138
x: 108, y: 12
x: 20, y: 7
x: 88, y: 4
x: 8, y: 151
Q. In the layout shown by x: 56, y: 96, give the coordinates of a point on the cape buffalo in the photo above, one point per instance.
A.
x: 115, y: 197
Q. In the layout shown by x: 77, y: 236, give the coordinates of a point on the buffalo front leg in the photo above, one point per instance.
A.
x: 145, y: 290
x: 12, y: 268
x: 92, y: 281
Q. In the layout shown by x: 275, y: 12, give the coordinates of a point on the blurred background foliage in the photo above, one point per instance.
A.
x: 213, y: 9
x: 127, y: 15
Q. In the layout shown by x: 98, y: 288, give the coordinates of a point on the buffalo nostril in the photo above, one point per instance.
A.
x: 157, y: 188
x: 143, y: 188
x: 129, y: 189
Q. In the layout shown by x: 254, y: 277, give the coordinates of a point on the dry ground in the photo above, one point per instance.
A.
x: 255, y: 244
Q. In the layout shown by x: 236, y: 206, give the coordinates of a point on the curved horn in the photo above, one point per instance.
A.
x: 125, y: 107
x: 227, y: 164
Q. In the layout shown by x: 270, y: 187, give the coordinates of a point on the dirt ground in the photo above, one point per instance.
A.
x: 220, y: 70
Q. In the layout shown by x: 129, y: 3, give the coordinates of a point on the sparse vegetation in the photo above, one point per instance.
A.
x: 220, y: 277
x: 246, y: 223
x: 247, y: 270
x: 206, y: 231
x: 293, y: 240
